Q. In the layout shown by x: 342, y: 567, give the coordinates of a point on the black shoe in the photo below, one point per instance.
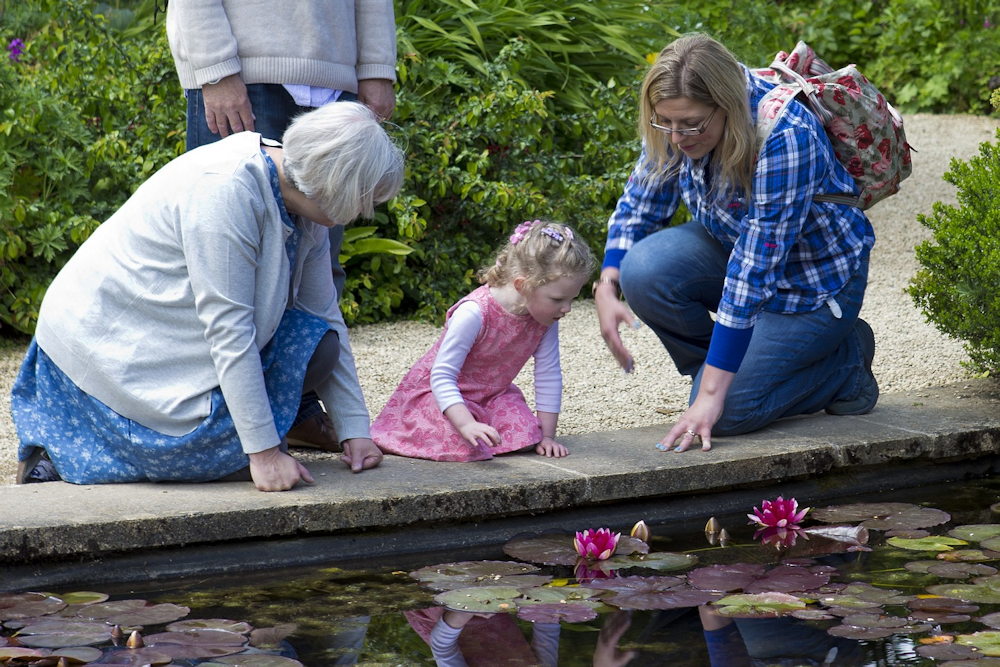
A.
x: 866, y: 400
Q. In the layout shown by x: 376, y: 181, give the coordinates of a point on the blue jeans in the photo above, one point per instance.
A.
x: 273, y: 110
x: 796, y: 363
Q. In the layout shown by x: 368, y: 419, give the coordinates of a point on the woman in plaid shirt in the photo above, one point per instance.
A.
x: 783, y: 275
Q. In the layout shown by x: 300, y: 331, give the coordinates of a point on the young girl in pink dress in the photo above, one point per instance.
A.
x: 459, y: 403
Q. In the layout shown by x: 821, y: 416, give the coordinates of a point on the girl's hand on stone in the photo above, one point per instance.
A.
x: 477, y: 433
x: 550, y: 448
x: 274, y: 470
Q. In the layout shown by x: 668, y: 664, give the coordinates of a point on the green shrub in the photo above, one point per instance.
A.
x: 69, y: 159
x: 925, y: 55
x: 957, y: 288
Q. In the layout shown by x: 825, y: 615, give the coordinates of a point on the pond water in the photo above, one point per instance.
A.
x: 919, y: 592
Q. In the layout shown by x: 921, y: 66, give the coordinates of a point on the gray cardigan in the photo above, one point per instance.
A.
x: 323, y: 43
x: 179, y: 290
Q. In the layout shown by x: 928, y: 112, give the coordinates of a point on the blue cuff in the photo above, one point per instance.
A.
x: 613, y: 258
x: 728, y: 347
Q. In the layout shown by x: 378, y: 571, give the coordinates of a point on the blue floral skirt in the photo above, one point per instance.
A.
x: 90, y: 443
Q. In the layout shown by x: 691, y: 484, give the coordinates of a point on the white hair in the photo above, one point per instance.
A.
x: 340, y: 157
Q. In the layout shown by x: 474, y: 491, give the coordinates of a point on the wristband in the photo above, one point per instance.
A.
x: 609, y: 281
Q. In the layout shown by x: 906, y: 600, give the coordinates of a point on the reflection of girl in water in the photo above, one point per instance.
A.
x: 459, y: 638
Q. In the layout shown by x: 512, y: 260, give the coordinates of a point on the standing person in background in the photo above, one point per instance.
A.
x: 255, y: 64
x: 783, y: 272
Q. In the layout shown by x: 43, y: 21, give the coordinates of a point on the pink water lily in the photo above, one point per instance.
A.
x: 778, y: 513
x: 780, y: 538
x: 597, y: 544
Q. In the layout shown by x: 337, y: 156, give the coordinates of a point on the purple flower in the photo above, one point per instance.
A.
x: 778, y: 513
x: 16, y: 48
x: 597, y: 544
x: 987, y: 24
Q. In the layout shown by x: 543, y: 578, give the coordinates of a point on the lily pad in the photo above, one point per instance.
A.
x: 968, y: 592
x: 557, y: 549
x: 875, y: 621
x: 758, y: 605
x: 931, y: 543
x: 557, y: 613
x: 134, y: 612
x: 725, y: 578
x: 82, y: 598
x: 987, y: 641
x: 976, y: 532
x: 811, y: 614
x: 66, y: 639
x: 543, y: 549
x: 28, y: 605
x: 480, y: 600
x: 464, y: 574
x: 854, y: 632
x: 662, y: 561
x: 198, y: 638
x: 882, y: 516
x: 948, y: 652
x: 860, y: 596
x: 78, y: 653
x: 560, y: 595
x: 824, y: 540
x: 653, y: 593
x: 969, y: 555
x: 945, y: 604
x: 753, y: 578
x: 8, y: 652
x: 241, y: 627
x: 950, y: 570
x: 992, y: 544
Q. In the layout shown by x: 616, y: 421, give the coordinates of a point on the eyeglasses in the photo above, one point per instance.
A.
x: 688, y: 131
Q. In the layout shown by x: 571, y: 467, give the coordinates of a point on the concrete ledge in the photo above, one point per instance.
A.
x: 895, y: 445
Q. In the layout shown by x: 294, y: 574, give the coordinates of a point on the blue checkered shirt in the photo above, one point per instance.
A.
x: 789, y: 254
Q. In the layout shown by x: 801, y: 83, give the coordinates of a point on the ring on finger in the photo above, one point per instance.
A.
x: 691, y: 433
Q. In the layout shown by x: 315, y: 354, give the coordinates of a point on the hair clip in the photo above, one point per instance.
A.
x: 553, y: 234
x: 522, y: 230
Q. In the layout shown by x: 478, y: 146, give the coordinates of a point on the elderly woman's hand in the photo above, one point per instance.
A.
x: 274, y: 470
x: 361, y: 454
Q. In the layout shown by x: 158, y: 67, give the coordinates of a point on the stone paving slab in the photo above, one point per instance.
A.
x: 58, y: 522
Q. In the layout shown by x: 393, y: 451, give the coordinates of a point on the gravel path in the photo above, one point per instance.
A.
x: 597, y: 396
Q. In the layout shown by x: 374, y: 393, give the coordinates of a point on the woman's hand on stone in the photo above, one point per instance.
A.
x: 274, y: 470
x: 361, y: 454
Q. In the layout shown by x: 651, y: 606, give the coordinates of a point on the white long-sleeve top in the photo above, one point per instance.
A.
x: 462, y: 328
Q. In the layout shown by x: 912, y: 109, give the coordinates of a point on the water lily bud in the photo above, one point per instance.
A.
x: 135, y: 640
x: 117, y: 635
x: 640, y: 531
x: 724, y: 538
x: 712, y: 526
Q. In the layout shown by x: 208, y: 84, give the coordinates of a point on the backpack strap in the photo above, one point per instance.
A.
x: 773, y: 106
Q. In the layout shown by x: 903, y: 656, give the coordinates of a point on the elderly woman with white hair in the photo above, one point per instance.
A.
x: 177, y: 341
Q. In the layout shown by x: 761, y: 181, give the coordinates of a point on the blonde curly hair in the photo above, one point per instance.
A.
x: 540, y: 252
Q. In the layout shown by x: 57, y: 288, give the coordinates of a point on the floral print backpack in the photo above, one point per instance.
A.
x: 866, y: 132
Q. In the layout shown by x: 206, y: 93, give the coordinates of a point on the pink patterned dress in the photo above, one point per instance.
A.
x: 411, y: 424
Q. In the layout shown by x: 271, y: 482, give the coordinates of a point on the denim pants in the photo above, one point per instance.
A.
x: 273, y: 110
x: 796, y: 363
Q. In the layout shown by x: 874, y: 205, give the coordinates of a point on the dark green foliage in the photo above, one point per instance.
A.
x: 85, y: 116
x: 958, y: 287
x: 922, y: 54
